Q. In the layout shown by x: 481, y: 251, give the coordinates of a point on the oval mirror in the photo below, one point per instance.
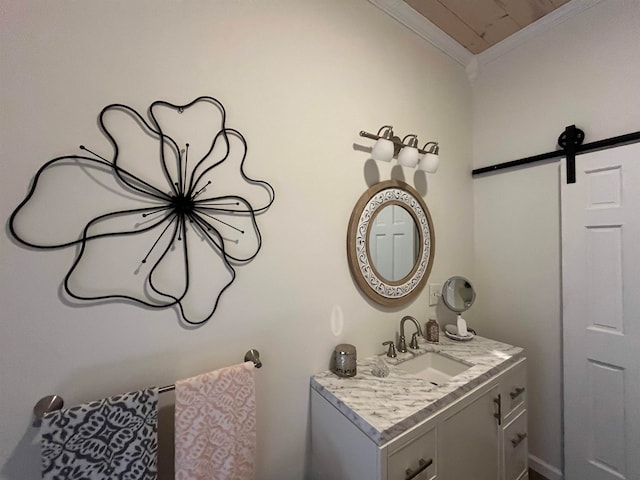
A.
x: 390, y: 243
x: 458, y: 294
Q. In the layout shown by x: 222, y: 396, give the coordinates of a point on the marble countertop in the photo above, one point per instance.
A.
x: 383, y: 408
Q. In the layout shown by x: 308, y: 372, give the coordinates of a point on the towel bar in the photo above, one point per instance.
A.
x: 51, y: 403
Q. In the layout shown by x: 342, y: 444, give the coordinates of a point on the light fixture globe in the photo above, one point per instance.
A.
x: 408, y: 156
x: 430, y: 161
x: 382, y: 150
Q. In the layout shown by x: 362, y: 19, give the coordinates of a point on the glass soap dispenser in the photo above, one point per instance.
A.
x: 432, y: 329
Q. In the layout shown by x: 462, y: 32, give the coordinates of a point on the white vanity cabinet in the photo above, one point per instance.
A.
x: 482, y: 435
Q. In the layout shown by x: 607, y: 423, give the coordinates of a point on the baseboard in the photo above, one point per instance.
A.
x: 543, y: 468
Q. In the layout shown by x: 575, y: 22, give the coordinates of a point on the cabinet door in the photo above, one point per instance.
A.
x: 469, y: 447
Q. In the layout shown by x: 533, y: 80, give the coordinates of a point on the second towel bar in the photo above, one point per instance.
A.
x: 51, y: 403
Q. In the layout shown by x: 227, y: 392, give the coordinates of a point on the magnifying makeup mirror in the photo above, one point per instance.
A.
x: 458, y: 295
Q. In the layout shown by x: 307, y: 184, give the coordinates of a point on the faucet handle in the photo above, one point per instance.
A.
x: 414, y: 341
x: 392, y: 349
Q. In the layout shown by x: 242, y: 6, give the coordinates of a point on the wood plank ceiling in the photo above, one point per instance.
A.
x: 479, y: 24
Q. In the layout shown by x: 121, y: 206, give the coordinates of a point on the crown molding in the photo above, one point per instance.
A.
x: 425, y: 29
x: 428, y: 31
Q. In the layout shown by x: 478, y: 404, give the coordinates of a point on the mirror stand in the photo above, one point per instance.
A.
x: 461, y: 323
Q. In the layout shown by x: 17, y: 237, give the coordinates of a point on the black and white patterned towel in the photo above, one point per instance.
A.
x: 113, y: 438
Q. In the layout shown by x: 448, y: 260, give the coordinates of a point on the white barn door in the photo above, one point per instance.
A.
x: 601, y: 316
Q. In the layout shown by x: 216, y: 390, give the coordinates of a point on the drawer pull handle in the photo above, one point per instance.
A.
x: 498, y: 402
x: 422, y: 466
x: 516, y: 393
x: 518, y: 440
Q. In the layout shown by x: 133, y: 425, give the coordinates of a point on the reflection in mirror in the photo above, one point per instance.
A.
x: 394, y: 243
x: 458, y: 295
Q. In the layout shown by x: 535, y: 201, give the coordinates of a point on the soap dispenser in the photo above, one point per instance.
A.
x: 432, y: 329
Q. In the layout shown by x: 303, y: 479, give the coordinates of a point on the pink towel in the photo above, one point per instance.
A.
x: 215, y: 425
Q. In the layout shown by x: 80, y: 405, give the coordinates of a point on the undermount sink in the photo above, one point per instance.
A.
x: 433, y: 367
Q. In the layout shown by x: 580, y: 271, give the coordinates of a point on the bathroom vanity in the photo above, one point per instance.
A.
x: 447, y: 411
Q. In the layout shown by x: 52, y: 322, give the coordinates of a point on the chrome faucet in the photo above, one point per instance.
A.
x: 402, y: 343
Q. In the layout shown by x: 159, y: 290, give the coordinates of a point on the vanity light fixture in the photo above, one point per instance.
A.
x: 406, y: 150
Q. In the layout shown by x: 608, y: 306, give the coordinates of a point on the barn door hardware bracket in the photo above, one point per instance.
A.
x: 569, y: 140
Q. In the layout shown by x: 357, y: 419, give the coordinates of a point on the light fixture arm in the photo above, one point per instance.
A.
x: 388, y: 134
x: 413, y: 140
x: 370, y: 135
x: 434, y: 148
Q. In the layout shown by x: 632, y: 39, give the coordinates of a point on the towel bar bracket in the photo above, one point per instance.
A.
x: 47, y: 404
x: 253, y: 355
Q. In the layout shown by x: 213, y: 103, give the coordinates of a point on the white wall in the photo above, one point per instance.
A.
x: 299, y: 79
x: 585, y: 71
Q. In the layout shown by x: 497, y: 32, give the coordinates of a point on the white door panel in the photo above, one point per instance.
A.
x: 392, y: 242
x: 601, y: 316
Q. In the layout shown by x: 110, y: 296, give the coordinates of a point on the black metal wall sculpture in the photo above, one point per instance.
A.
x: 172, y: 208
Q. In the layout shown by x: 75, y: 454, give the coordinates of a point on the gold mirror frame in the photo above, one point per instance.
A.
x: 377, y: 288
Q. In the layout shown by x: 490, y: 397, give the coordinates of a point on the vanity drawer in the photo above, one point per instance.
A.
x: 515, y: 448
x: 513, y: 392
x: 418, y: 454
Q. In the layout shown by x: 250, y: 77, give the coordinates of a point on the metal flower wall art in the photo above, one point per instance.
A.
x: 162, y: 221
